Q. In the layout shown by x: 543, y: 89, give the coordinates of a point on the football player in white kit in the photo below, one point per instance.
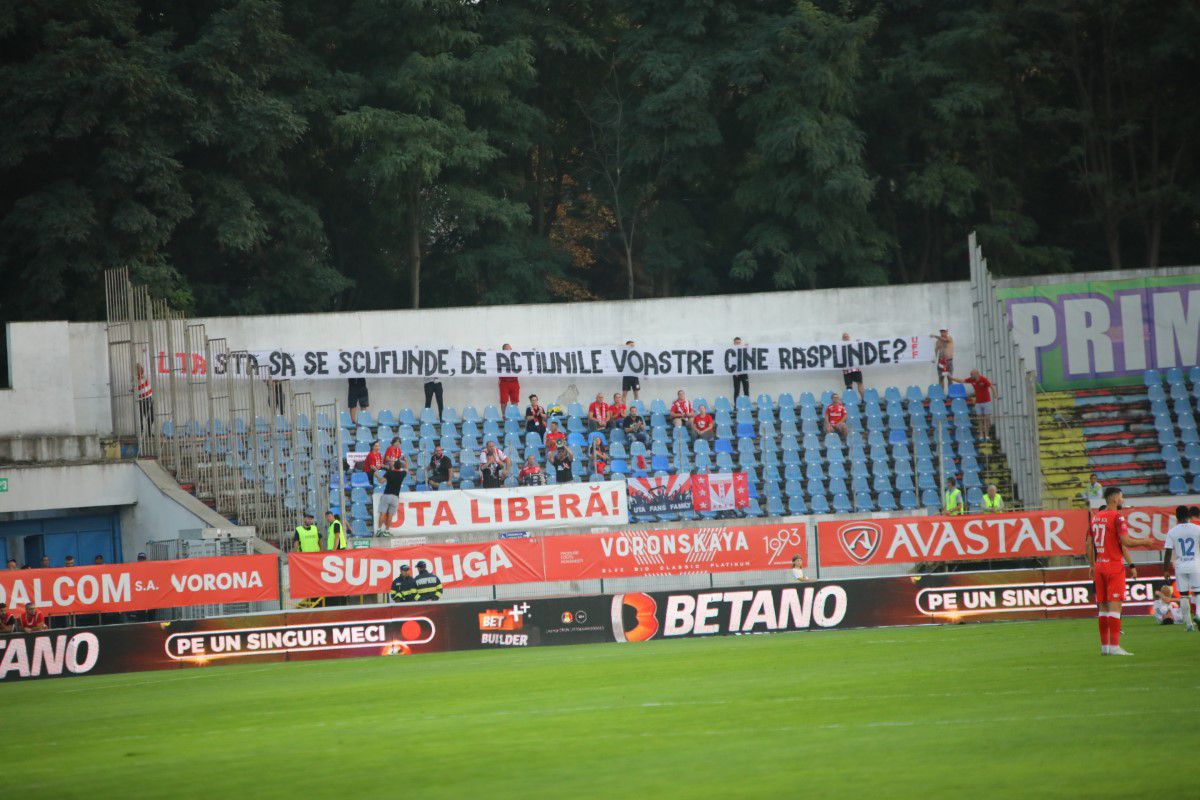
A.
x: 1183, y: 548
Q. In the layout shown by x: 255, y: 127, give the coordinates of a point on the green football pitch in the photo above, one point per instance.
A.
x: 988, y: 710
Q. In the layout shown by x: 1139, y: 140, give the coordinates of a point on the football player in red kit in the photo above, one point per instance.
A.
x: 1108, y: 557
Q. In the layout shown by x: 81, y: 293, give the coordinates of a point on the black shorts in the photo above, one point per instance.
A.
x: 631, y: 383
x: 358, y: 397
x: 851, y: 378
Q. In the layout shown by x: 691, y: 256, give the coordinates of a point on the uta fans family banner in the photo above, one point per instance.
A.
x: 143, y: 585
x: 586, y: 556
x: 520, y: 508
x: 906, y: 540
x: 398, y: 361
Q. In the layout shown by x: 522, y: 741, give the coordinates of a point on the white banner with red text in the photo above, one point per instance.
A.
x: 143, y: 585
x: 574, y: 557
x: 519, y: 508
x: 973, y: 537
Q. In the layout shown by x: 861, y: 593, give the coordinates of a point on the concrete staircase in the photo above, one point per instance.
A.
x: 1106, y: 431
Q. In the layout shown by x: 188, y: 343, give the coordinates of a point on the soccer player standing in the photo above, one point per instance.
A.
x: 1183, y: 547
x: 1108, y: 557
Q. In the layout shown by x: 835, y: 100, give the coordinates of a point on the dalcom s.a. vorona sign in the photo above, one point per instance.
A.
x: 143, y: 585
x: 401, y: 630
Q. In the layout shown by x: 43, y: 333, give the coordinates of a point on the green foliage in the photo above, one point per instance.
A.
x: 247, y: 156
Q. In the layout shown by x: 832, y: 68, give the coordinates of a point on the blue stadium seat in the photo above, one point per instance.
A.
x: 908, y: 500
x: 796, y: 505
x: 1177, y: 485
x: 819, y: 504
x: 929, y: 499
x: 887, y: 501
x: 974, y: 499
x: 841, y: 504
x: 775, y: 507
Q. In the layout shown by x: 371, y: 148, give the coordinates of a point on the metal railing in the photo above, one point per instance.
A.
x: 1000, y: 360
x: 256, y: 450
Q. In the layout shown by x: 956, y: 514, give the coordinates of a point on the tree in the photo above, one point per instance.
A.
x: 419, y: 151
x: 803, y: 179
x: 1113, y: 81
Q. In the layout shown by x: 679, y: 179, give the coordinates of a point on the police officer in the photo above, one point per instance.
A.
x: 308, y: 538
x: 428, y: 585
x: 404, y: 586
x: 992, y: 501
x: 336, y: 539
x: 953, y: 498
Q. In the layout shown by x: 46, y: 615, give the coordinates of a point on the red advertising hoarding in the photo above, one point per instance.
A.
x: 143, y: 585
x: 973, y: 537
x: 586, y: 556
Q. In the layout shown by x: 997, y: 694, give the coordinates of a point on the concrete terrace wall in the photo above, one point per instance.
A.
x: 59, y: 378
x: 60, y: 370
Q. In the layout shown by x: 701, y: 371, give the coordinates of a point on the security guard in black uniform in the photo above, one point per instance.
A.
x: 428, y: 585
x: 404, y: 586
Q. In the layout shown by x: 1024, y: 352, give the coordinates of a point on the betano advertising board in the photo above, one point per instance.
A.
x: 402, y: 630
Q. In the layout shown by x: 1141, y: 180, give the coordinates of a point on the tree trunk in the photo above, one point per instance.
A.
x: 539, y: 197
x: 629, y: 268
x: 1153, y: 240
x: 414, y: 249
x: 1112, y: 237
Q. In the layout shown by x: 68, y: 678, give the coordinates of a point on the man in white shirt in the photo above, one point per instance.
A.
x: 491, y: 450
x: 1095, y: 493
x: 1183, y: 548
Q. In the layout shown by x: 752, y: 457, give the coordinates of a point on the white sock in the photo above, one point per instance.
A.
x: 1185, y: 605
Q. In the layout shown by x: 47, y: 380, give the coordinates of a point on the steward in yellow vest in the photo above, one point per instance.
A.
x: 308, y: 538
x: 992, y: 501
x: 953, y: 500
x: 336, y: 539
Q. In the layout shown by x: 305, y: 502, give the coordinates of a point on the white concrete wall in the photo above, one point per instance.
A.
x: 60, y: 370
x: 59, y: 374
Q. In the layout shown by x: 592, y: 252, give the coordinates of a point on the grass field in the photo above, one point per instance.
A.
x: 1016, y: 709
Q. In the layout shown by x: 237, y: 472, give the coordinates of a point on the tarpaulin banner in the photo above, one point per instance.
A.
x: 1150, y: 522
x: 905, y: 540
x: 397, y: 361
x: 583, y: 556
x: 143, y: 585
x: 371, y: 570
x: 1093, y: 333
x: 720, y: 491
x: 411, y: 629
x: 519, y: 508
x: 660, y: 495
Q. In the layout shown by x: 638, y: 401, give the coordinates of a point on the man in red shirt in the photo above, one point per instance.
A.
x: 33, y: 619
x: 681, y: 410
x: 984, y: 390
x: 1108, y: 557
x: 374, y: 459
x: 553, y: 436
x: 616, y: 411
x: 702, y: 424
x: 510, y: 387
x: 8, y: 620
x: 394, y: 451
x: 597, y: 414
x: 835, y: 416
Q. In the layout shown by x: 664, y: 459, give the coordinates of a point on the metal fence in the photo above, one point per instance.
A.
x: 1016, y: 400
x: 254, y: 449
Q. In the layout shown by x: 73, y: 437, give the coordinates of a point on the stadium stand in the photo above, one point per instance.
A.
x: 1141, y: 437
x: 889, y: 460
